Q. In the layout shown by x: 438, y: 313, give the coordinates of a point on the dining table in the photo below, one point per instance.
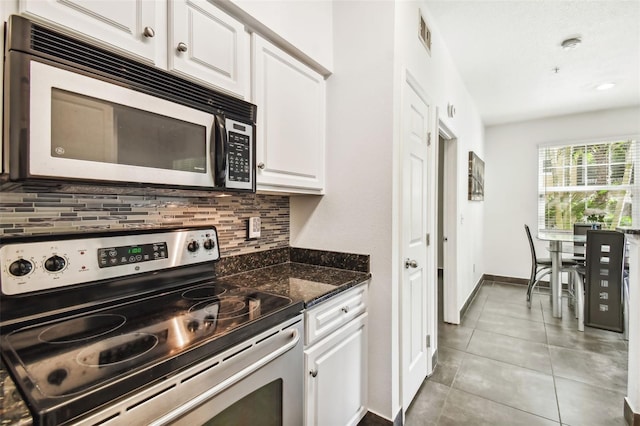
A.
x: 558, y: 244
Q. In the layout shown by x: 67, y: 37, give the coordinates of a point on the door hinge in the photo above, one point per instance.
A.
x: 428, y: 138
x: 428, y: 239
x: 428, y: 340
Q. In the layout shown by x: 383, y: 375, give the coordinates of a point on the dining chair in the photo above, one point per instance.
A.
x: 581, y: 229
x: 579, y: 255
x: 540, y: 267
x: 604, y: 298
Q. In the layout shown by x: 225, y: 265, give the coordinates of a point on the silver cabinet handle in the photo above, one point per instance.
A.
x: 182, y: 47
x: 261, y: 166
x: 313, y: 373
x: 345, y: 309
x: 410, y: 263
x: 148, y: 32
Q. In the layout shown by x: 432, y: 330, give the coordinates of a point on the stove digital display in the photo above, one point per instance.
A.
x: 126, y: 255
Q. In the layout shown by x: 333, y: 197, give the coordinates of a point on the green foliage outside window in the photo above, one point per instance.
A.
x: 586, y: 183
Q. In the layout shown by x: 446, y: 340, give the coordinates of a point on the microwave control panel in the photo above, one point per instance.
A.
x: 240, y: 156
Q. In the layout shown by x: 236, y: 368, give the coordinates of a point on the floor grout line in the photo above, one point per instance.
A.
x: 504, y: 405
x: 553, y: 376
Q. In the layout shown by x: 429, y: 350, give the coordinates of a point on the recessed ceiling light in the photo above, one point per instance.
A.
x: 571, y: 43
x: 605, y: 86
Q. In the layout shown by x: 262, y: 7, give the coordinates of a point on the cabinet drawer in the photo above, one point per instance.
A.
x: 334, y: 313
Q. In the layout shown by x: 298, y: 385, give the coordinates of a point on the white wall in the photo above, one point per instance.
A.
x: 511, y: 179
x: 359, y: 211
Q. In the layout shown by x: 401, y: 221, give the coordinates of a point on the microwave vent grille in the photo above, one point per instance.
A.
x: 143, y: 77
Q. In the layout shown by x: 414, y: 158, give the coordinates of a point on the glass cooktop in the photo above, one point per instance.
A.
x: 72, y: 356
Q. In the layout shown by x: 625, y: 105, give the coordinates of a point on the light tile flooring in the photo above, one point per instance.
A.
x: 508, y: 365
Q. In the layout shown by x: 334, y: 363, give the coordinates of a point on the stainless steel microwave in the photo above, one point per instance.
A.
x: 78, y: 118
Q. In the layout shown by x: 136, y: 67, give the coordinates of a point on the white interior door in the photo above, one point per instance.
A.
x: 415, y: 275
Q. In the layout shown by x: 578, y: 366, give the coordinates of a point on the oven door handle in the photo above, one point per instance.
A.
x: 228, y: 382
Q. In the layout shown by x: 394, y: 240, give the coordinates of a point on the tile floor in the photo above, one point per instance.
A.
x: 508, y: 365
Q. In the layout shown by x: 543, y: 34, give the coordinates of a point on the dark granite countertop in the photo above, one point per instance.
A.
x: 311, y: 284
x: 13, y: 410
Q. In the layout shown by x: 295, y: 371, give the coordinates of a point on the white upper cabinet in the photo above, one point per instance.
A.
x: 208, y: 44
x: 192, y: 38
x: 291, y: 122
x: 131, y: 26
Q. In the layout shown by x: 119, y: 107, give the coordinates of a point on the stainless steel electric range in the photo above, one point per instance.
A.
x: 132, y: 328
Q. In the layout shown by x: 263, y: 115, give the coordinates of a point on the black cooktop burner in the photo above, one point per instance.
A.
x: 203, y: 292
x: 101, y: 353
x: 80, y: 329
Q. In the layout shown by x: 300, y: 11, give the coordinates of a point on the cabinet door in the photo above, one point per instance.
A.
x: 336, y: 377
x: 130, y: 26
x: 207, y: 44
x: 291, y: 121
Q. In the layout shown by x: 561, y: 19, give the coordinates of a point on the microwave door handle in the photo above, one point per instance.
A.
x: 218, y: 151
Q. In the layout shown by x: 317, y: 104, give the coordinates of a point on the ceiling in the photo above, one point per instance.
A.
x: 506, y: 52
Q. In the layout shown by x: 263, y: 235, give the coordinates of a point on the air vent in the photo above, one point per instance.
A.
x: 424, y: 33
x: 147, y: 79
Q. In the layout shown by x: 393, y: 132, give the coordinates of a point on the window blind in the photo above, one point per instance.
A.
x: 588, y: 182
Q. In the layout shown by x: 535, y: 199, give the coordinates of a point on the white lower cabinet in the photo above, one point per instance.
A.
x: 336, y: 365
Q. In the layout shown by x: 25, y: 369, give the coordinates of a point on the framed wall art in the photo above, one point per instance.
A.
x: 476, y: 177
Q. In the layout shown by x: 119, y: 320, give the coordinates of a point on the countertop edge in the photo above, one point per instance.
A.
x: 339, y: 289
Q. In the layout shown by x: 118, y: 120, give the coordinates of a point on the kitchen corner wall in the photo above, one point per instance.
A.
x: 49, y: 213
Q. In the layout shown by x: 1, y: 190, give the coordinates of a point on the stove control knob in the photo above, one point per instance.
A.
x: 20, y: 268
x: 55, y: 264
x: 193, y: 246
x: 209, y: 244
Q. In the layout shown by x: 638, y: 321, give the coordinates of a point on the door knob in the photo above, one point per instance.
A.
x: 313, y: 373
x: 261, y: 166
x: 410, y: 263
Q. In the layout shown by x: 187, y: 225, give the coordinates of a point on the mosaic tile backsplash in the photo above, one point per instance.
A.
x: 50, y: 213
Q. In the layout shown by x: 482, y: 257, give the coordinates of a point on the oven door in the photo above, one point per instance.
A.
x: 80, y: 127
x: 268, y: 392
x: 258, y: 382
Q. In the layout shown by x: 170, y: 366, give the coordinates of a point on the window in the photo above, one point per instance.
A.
x: 588, y: 182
